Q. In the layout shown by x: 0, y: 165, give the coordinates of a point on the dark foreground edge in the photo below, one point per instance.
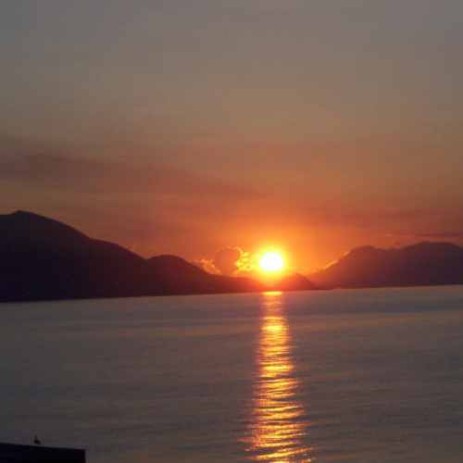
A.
x: 13, y: 453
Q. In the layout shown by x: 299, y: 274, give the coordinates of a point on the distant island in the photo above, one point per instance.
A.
x: 422, y: 264
x: 44, y: 259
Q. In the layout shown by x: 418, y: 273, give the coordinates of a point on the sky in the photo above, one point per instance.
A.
x: 191, y: 126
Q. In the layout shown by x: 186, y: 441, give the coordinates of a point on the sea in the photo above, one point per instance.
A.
x: 362, y: 376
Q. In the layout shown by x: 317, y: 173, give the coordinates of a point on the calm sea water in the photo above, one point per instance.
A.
x: 341, y: 376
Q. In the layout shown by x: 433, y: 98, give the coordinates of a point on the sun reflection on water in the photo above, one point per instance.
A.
x: 278, y: 422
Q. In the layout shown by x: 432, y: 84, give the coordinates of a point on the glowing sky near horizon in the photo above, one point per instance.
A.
x: 191, y: 126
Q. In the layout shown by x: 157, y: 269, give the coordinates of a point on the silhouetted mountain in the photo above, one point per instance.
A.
x: 177, y: 276
x: 294, y: 282
x: 423, y: 264
x: 43, y: 259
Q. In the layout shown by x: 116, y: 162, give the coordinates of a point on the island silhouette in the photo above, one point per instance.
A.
x: 421, y: 264
x: 44, y: 259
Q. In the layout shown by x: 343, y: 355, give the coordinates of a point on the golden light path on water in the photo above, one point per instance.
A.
x: 278, y: 423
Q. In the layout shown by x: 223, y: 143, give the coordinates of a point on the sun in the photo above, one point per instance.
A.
x: 271, y: 262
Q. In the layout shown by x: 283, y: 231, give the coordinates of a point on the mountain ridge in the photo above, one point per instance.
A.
x: 421, y: 264
x: 44, y: 259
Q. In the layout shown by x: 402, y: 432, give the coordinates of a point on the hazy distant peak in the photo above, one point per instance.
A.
x: 425, y: 263
x: 362, y: 253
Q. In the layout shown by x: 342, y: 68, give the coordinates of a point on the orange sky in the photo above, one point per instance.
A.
x: 155, y: 208
x: 188, y: 127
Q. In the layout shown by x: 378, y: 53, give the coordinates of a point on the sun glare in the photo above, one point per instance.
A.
x: 272, y: 262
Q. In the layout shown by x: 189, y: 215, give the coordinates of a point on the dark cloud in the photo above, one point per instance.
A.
x: 99, y: 174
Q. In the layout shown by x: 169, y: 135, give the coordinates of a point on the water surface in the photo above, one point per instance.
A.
x: 330, y: 377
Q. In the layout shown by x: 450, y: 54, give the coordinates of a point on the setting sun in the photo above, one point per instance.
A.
x: 272, y: 262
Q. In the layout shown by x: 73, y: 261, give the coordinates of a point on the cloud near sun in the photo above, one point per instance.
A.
x: 233, y: 260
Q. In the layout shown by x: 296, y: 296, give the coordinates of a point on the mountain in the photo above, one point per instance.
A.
x: 43, y: 259
x: 422, y: 264
x: 294, y: 282
x: 177, y: 276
